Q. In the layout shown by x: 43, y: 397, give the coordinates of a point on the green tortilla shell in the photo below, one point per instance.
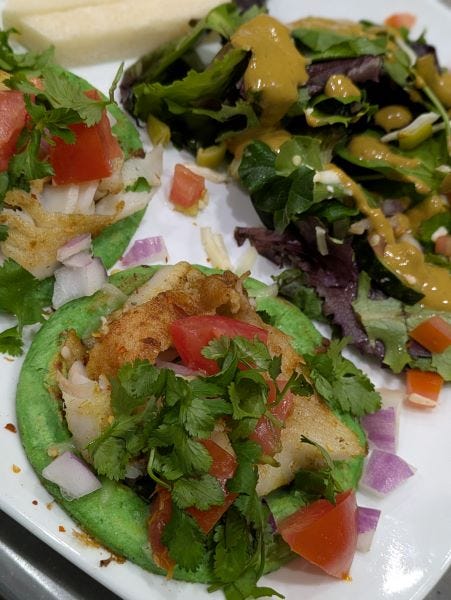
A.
x: 114, y: 515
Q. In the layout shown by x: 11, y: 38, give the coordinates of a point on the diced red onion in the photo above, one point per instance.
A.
x: 134, y: 470
x: 72, y: 475
x: 381, y: 428
x: 74, y: 246
x: 385, y: 471
x: 367, y: 520
x: 76, y: 282
x: 177, y: 368
x: 146, y: 251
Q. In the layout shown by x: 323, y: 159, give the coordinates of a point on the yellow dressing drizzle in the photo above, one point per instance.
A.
x: 366, y: 147
x: 400, y: 257
x: 340, y: 86
x: 440, y: 83
x: 272, y: 136
x: 393, y: 117
x: 276, y: 68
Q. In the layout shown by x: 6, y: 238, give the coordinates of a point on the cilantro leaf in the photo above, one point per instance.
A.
x: 111, y: 458
x: 11, y: 61
x: 341, y: 384
x: 248, y: 394
x: 184, y: 540
x: 319, y: 483
x: 233, y: 547
x: 11, y: 342
x: 199, y: 416
x: 23, y: 295
x: 63, y: 91
x: 202, y: 492
x: 135, y: 383
x: 248, y: 454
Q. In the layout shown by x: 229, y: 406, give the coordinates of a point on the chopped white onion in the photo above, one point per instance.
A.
x: 215, y: 249
x: 327, y: 177
x: 134, y: 470
x: 409, y: 239
x: 424, y: 119
x: 439, y: 233
x: 76, y: 282
x: 72, y: 475
x: 381, y: 428
x: 123, y: 204
x: 82, y: 259
x: 367, y: 520
x: 177, y: 368
x: 247, y: 260
x: 384, y: 472
x: 146, y: 251
x: 86, y: 193
x: 209, y: 174
x: 359, y: 227
x: 59, y: 198
x: 420, y: 400
x: 69, y: 199
x: 74, y: 246
x: 321, y: 242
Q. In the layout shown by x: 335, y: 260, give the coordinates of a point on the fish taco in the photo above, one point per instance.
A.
x: 176, y: 416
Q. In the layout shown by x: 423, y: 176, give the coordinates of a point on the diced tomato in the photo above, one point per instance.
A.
x: 267, y: 433
x: 92, y: 155
x: 187, y: 187
x: 223, y: 468
x: 324, y: 534
x: 399, y: 20
x: 434, y: 334
x: 423, y: 387
x: 191, y: 334
x: 12, y: 120
x: 160, y: 515
x: 443, y: 245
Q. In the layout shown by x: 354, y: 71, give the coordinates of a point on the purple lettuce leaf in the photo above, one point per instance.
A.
x: 334, y: 276
x: 359, y: 70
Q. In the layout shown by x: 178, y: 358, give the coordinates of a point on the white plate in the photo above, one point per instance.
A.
x: 412, y: 546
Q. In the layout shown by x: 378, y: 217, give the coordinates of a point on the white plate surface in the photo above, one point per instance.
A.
x: 412, y: 546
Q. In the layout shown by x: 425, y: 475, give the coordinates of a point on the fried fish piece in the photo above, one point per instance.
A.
x: 141, y: 330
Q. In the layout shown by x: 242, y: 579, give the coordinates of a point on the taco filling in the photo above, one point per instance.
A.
x: 209, y: 418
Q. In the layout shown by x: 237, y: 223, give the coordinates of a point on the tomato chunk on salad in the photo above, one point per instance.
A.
x: 187, y: 188
x: 434, y: 334
x: 13, y: 117
x: 191, y: 334
x: 324, y: 534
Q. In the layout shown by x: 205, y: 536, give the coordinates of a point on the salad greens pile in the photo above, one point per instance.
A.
x: 332, y: 141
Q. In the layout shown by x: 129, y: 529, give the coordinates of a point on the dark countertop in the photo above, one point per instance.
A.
x: 29, y: 569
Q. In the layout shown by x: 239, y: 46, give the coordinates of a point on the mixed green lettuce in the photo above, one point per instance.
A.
x: 311, y: 217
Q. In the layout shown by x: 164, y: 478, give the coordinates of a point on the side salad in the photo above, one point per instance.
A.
x: 340, y: 133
